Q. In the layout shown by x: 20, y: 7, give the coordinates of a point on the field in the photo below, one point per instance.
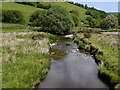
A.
x: 25, y: 9
x: 28, y: 10
x: 108, y: 44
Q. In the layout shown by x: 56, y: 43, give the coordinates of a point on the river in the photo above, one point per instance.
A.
x: 71, y: 69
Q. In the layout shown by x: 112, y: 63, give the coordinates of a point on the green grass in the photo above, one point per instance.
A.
x: 7, y: 27
x: 24, y: 60
x: 25, y: 9
x: 70, y: 7
x: 108, y: 44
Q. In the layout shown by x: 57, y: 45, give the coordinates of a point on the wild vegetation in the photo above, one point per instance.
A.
x: 21, y: 53
x: 104, y: 48
x: 26, y: 50
x: 56, y: 20
x: 12, y: 16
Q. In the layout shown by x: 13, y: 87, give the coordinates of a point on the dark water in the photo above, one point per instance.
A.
x: 71, y: 70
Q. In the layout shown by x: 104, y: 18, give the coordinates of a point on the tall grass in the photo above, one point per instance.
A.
x: 108, y: 44
x: 24, y: 60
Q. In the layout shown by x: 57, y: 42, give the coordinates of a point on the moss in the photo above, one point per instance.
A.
x: 99, y: 56
x: 81, y: 45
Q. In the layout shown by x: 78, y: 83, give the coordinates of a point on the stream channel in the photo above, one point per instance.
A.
x: 71, y: 68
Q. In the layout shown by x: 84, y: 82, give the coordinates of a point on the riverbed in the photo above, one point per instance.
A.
x: 71, y: 68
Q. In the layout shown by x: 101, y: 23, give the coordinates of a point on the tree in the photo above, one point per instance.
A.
x: 86, y: 7
x: 94, y: 23
x: 109, y: 22
x: 56, y: 20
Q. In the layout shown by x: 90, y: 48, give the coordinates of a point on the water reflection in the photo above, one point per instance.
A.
x: 70, y: 69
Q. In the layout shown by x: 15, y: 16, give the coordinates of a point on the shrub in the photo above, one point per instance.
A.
x: 56, y: 20
x: 81, y: 45
x: 12, y: 16
x: 34, y: 16
x: 94, y: 23
x: 40, y: 5
x: 75, y: 19
x: 109, y: 22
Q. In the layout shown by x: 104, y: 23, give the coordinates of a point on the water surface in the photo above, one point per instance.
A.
x: 71, y: 70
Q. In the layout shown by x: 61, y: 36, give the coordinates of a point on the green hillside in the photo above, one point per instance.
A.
x: 70, y: 7
x: 28, y: 10
x: 25, y: 9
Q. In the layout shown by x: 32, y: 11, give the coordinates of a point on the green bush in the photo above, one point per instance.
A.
x: 12, y: 16
x: 109, y: 22
x: 56, y: 20
x: 34, y: 16
x: 81, y: 45
x: 75, y: 19
x: 40, y: 5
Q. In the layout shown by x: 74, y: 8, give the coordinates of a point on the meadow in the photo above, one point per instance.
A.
x: 24, y: 61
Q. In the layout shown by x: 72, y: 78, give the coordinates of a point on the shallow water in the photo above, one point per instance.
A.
x: 71, y: 70
x: 110, y: 32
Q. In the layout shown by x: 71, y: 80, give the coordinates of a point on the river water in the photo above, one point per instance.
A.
x: 71, y: 69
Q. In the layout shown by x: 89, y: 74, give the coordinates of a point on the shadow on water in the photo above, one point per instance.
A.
x: 71, y: 69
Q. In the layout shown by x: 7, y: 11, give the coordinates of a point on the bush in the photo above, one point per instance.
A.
x: 40, y: 5
x: 81, y: 45
x: 109, y: 22
x: 56, y: 20
x: 34, y: 16
x: 94, y: 23
x: 12, y: 16
x: 75, y: 19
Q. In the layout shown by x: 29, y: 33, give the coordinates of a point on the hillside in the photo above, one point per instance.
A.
x: 70, y: 7
x: 25, y: 9
x: 28, y: 10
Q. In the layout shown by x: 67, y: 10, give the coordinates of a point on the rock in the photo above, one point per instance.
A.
x: 73, y: 51
x: 66, y: 51
x: 68, y: 43
x: 78, y: 54
x: 52, y: 44
x: 77, y: 49
x: 53, y: 61
x: 74, y: 47
x: 68, y: 36
x: 52, y: 53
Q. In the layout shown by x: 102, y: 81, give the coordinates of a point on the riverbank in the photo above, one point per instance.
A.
x: 25, y: 56
x: 104, y: 48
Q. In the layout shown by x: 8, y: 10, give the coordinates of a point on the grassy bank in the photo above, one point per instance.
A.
x: 24, y: 60
x: 104, y: 48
